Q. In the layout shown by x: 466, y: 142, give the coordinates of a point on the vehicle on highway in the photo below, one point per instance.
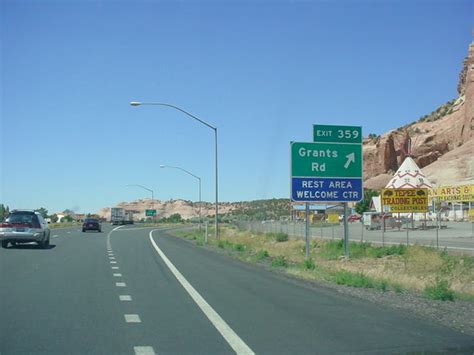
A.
x: 91, y: 224
x: 24, y: 226
x: 120, y: 216
x: 354, y: 218
x: 372, y: 220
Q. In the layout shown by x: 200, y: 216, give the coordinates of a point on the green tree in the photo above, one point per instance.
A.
x: 364, y: 205
x: 175, y: 218
x: 4, y: 211
x: 67, y: 219
x: 54, y: 218
x: 43, y: 212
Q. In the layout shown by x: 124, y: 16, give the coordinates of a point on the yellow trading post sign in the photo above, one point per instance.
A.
x: 405, y: 200
x: 461, y: 193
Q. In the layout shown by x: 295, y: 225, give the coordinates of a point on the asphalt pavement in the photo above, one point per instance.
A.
x: 134, y: 290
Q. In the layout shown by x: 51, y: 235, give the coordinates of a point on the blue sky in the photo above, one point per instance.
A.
x: 263, y: 72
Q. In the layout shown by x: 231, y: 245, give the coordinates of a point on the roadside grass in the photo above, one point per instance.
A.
x: 440, y: 290
x: 279, y: 261
x: 334, y: 249
x: 398, y: 268
x: 280, y: 237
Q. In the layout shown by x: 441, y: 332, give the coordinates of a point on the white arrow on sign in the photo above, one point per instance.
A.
x: 351, y: 158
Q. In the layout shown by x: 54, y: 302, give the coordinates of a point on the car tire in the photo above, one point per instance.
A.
x: 83, y: 231
x: 44, y: 244
x: 4, y: 244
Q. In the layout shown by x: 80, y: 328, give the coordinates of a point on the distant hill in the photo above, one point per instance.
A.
x: 248, y: 210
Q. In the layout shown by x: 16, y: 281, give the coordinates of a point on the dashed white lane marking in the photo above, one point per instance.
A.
x: 117, y: 275
x: 132, y: 318
x: 222, y: 327
x: 115, y: 267
x: 113, y: 262
x: 55, y: 236
x: 144, y: 350
x: 68, y: 232
x: 111, y: 257
x: 125, y: 297
x: 120, y: 284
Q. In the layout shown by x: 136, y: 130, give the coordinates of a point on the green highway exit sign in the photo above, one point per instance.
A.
x: 337, y: 134
x: 150, y: 213
x: 326, y: 160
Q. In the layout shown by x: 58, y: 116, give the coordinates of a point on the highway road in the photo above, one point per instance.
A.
x: 132, y: 290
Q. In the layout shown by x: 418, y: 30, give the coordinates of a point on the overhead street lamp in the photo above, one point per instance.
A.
x: 199, y: 180
x: 146, y: 188
x: 136, y: 103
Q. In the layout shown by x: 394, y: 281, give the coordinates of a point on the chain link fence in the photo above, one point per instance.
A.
x: 450, y: 235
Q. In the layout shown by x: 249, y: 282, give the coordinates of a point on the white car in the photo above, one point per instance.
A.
x: 24, y: 227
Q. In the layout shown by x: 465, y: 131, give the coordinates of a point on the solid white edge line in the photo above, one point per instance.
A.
x: 222, y: 327
x: 108, y: 244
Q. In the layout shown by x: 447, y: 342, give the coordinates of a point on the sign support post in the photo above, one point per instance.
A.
x: 306, y: 213
x: 346, y: 230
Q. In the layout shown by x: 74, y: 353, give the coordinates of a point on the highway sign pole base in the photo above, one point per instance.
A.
x: 346, y: 230
x: 307, y: 230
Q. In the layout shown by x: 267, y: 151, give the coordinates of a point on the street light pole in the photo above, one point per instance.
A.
x: 152, y: 196
x: 137, y: 103
x: 199, y: 180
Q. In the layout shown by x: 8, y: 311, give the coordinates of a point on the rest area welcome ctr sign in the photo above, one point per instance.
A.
x: 329, y: 171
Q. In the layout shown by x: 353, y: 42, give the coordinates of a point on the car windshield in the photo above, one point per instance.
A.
x: 91, y: 220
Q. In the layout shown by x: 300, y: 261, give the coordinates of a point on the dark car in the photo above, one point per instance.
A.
x: 91, y: 224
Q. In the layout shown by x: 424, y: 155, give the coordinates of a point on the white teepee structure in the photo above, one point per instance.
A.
x: 409, y: 175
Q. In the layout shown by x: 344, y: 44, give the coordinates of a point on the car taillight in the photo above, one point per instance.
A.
x: 6, y: 225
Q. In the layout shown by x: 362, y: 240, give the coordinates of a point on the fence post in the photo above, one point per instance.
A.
x: 407, y: 236
x: 437, y: 237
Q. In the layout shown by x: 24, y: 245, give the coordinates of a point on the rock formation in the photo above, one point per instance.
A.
x: 445, y: 130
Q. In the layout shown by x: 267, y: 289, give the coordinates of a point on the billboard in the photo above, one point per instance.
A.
x: 404, y: 200
x: 461, y: 193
